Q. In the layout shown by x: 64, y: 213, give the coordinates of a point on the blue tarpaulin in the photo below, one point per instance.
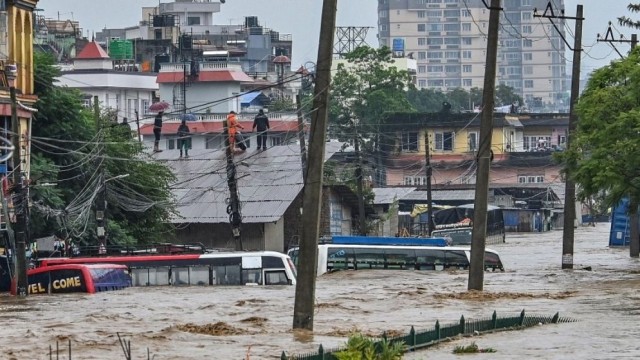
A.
x: 247, y: 99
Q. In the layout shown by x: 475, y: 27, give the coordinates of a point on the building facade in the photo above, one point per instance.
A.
x: 448, y: 40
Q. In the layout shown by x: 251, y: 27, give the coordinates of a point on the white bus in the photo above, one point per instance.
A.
x: 333, y: 257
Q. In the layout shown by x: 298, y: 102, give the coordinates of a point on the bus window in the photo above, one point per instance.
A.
x: 369, y: 258
x: 492, y: 261
x: 278, y: 277
x: 427, y: 259
x: 199, y: 275
x: 339, y: 258
x: 252, y: 276
x: 400, y: 258
x: 228, y: 275
x: 293, y: 254
x: 456, y: 259
x: 180, y: 276
x: 159, y: 276
x: 140, y: 277
x: 109, y: 279
x: 272, y: 262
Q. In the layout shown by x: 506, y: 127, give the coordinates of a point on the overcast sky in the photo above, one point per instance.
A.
x: 301, y: 18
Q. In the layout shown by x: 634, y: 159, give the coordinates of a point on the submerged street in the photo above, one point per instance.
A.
x: 257, y: 320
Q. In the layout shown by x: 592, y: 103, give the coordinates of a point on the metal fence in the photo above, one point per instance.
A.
x: 421, y: 339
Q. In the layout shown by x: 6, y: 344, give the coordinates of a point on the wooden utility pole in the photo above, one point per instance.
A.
x: 20, y: 193
x: 138, y: 125
x: 362, y: 219
x: 429, y: 171
x: 312, y: 202
x: 303, y: 147
x: 235, y: 217
x: 476, y: 265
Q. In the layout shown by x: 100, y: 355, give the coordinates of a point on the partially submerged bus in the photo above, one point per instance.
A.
x: 333, y: 257
x: 73, y: 278
x: 217, y: 268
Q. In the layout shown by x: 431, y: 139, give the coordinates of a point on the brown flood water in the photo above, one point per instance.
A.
x: 231, y: 322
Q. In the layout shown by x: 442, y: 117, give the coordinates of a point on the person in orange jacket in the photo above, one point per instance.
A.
x: 233, y: 126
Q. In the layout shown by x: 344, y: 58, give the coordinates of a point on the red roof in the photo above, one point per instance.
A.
x: 205, y: 76
x: 215, y: 127
x: 92, y: 50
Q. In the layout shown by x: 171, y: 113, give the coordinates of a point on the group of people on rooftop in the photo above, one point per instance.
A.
x: 236, y: 139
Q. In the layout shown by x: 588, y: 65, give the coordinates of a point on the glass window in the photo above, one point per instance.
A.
x: 422, y: 55
x: 456, y: 258
x: 421, y: 14
x: 492, y: 261
x: 528, y: 84
x: 527, y: 56
x: 421, y: 27
x: 199, y: 275
x: 227, y: 275
x: 275, y: 278
x: 466, y: 68
x: 466, y: 26
x: 252, y: 276
x: 422, y: 69
x: 435, y: 41
x: 409, y: 141
x: 422, y: 41
x: 400, y: 258
x: 339, y: 258
x: 180, y: 276
x: 466, y: 82
x: 369, y: 258
x: 429, y: 259
x: 193, y: 20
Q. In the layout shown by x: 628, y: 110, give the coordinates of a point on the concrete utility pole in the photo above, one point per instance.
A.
x: 476, y: 266
x: 362, y: 219
x: 306, y: 284
x: 101, y: 201
x: 235, y: 218
x: 303, y: 147
x: 429, y: 170
x: 570, y: 186
x: 20, y: 192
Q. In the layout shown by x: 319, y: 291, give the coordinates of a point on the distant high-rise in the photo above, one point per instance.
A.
x: 448, y: 40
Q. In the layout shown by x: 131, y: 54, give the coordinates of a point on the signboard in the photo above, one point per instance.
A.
x: 398, y: 45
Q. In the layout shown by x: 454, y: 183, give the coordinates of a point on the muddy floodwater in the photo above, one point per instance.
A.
x: 233, y: 322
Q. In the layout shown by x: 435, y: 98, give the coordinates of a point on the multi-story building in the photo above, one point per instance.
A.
x: 448, y: 40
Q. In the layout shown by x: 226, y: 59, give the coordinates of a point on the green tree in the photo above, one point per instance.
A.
x: 70, y: 149
x: 282, y: 104
x: 506, y: 95
x: 628, y: 22
x: 604, y: 154
x: 426, y: 100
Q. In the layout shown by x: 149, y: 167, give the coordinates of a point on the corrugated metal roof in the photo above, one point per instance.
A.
x: 387, y: 195
x: 439, y: 195
x: 268, y: 181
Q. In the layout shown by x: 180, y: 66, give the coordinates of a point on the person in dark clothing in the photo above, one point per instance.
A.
x: 261, y: 122
x: 157, y: 129
x: 183, y: 138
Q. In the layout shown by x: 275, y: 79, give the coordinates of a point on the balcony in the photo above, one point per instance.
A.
x: 203, y: 66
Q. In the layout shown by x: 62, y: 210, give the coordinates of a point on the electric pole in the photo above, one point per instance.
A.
x: 303, y: 149
x: 362, y: 219
x: 312, y: 195
x: 476, y: 265
x: 609, y: 38
x: 570, y: 186
x: 233, y: 210
x: 20, y: 191
x: 429, y: 170
x: 101, y: 199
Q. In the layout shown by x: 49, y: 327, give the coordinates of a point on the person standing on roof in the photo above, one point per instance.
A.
x: 261, y: 122
x: 183, y: 138
x: 157, y: 129
x: 233, y: 125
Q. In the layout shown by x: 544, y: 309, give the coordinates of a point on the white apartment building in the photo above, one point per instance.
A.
x: 448, y: 40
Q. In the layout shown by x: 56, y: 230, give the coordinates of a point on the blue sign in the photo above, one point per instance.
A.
x: 398, y: 45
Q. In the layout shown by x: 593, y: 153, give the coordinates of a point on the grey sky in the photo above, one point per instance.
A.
x: 301, y: 18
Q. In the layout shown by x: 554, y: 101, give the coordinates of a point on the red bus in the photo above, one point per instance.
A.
x: 71, y: 278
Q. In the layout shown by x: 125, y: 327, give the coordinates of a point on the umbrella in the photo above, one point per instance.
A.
x: 188, y: 117
x: 159, y: 106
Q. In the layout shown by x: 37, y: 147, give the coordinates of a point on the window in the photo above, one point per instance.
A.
x: 452, y: 41
x: 444, y: 141
x: 434, y: 55
x: 422, y: 14
x: 466, y: 13
x: 86, y: 102
x: 466, y: 54
x: 451, y: 13
x: 435, y: 27
x: 422, y: 83
x: 527, y: 56
x: 383, y: 13
x: 452, y: 55
x: 526, y: 2
x: 473, y: 141
x: 145, y: 106
x: 528, y: 84
x: 526, y: 16
x: 422, y: 55
x: 539, y: 179
x: 452, y: 68
x: 527, y: 70
x: 466, y: 82
x: 408, y: 180
x: 466, y: 68
x: 421, y: 27
x: 409, y: 141
x: 466, y: 26
x: 435, y: 41
x: 193, y: 20
x: 434, y: 13
x: 422, y: 69
x: 526, y: 29
x: 451, y: 27
x: 422, y: 41
x: 466, y: 41
x: 527, y: 43
x: 435, y: 68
